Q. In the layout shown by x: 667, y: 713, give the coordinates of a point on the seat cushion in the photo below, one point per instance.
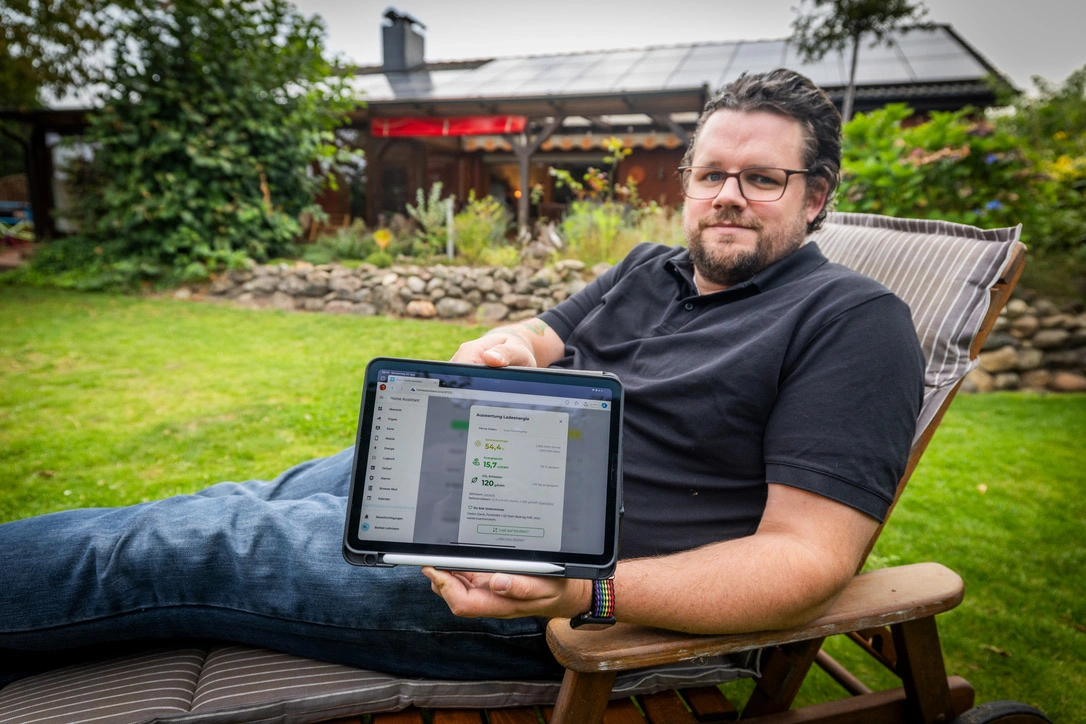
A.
x: 122, y: 690
x: 943, y: 271
x: 230, y: 684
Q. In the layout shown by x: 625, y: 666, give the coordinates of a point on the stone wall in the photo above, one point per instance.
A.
x: 1036, y: 344
x: 486, y: 295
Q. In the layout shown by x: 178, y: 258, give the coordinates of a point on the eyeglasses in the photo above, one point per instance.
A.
x: 755, y: 184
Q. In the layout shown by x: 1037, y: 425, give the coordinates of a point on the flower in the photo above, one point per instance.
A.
x: 993, y: 205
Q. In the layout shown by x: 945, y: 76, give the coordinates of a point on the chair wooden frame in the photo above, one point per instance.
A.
x: 889, y: 612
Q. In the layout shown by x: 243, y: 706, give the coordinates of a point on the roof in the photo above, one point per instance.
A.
x: 915, y: 59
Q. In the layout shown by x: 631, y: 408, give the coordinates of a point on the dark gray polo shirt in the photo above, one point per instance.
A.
x: 809, y: 375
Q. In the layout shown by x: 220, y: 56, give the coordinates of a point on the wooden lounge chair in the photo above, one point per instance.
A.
x: 955, y: 278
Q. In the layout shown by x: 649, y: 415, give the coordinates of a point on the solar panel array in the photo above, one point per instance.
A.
x: 917, y: 56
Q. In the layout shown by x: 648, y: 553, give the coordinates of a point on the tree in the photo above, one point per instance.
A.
x: 53, y: 45
x: 203, y: 154
x: 827, y: 25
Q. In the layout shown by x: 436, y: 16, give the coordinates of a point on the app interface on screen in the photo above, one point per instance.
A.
x: 501, y: 468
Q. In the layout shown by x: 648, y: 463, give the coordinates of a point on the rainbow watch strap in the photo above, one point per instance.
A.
x: 603, y: 598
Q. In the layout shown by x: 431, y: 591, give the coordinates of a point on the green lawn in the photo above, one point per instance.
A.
x: 107, y: 400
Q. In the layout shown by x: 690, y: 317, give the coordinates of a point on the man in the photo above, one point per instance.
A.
x: 770, y: 402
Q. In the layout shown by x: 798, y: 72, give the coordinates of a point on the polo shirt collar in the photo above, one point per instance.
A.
x: 794, y: 266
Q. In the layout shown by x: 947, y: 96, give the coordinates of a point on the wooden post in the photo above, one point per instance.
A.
x: 524, y: 146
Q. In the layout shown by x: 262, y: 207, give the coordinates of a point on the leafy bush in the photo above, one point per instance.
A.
x: 202, y: 151
x: 430, y: 212
x: 952, y: 167
x: 480, y: 229
x: 1010, y: 170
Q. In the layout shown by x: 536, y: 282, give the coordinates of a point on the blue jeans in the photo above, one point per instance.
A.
x: 257, y: 562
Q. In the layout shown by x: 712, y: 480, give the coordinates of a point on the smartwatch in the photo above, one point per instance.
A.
x: 602, y: 613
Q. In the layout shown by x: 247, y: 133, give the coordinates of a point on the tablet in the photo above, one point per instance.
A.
x: 468, y: 467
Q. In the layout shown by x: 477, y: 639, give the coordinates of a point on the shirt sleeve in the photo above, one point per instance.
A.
x: 844, y: 419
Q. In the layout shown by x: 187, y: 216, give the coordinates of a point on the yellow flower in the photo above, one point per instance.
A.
x: 382, y: 237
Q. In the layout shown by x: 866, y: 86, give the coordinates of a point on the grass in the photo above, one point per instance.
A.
x: 109, y: 400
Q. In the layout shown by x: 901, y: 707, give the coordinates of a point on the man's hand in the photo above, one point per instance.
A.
x: 502, y: 595
x: 530, y: 343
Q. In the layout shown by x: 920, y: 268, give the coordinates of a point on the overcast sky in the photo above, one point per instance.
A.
x: 1021, y: 38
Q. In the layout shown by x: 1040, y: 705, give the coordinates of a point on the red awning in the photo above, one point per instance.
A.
x: 458, y: 126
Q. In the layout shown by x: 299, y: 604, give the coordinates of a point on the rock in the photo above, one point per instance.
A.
x: 405, y: 293
x: 1065, y: 359
x: 282, y: 300
x: 1030, y: 359
x: 575, y: 286
x: 363, y: 309
x: 220, y: 286
x: 598, y: 269
x: 348, y: 284
x: 422, y: 309
x: 1001, y: 360
x: 1025, y: 326
x: 1045, y: 308
x: 1007, y: 381
x: 449, y: 308
x: 362, y: 295
x: 1068, y: 382
x: 978, y: 381
x: 543, y: 278
x: 520, y: 315
x: 490, y: 313
x: 1017, y: 307
x: 570, y: 265
x: 437, y: 294
x: 339, y: 306
x: 240, y: 276
x: 312, y: 304
x: 389, y: 279
x: 292, y: 285
x: 183, y: 293
x: 263, y: 285
x: 996, y: 340
x: 1036, y: 379
x: 435, y: 283
x: 485, y: 283
x: 1050, y: 338
x: 1060, y: 321
x: 416, y: 285
x: 1002, y: 323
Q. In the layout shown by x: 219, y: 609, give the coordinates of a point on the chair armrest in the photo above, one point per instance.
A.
x: 877, y: 598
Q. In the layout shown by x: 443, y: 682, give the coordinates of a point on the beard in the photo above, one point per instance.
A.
x: 727, y: 266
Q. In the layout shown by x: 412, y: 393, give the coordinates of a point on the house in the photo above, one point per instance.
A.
x: 496, y: 125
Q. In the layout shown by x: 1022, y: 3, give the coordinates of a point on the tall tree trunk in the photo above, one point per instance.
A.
x: 850, y: 94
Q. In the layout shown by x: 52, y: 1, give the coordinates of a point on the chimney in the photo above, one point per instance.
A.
x: 403, y: 46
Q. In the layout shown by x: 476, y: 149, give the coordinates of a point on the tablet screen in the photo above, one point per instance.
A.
x: 509, y: 464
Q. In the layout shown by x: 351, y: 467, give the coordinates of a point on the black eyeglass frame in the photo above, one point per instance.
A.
x: 788, y: 174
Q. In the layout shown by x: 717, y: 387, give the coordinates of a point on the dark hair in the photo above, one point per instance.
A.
x: 789, y: 94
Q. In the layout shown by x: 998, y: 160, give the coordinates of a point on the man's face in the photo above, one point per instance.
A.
x: 731, y: 239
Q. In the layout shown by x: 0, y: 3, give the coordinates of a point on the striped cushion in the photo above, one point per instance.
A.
x: 124, y: 690
x: 231, y: 684
x: 242, y: 684
x: 943, y: 271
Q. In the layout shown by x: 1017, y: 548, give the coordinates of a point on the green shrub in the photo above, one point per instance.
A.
x: 952, y: 167
x: 430, y: 212
x: 380, y: 259
x: 479, y: 230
